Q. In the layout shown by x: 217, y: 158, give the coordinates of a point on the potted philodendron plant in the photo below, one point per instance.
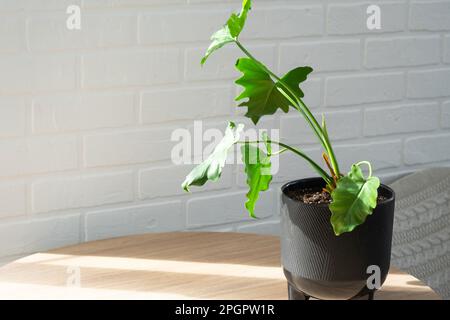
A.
x: 336, y: 228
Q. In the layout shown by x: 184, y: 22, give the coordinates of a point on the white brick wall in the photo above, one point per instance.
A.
x: 86, y: 116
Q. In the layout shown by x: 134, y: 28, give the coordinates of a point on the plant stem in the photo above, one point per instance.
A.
x: 278, y: 152
x: 368, y: 165
x: 315, y: 166
x: 302, y: 108
x: 333, y: 174
x: 319, y: 170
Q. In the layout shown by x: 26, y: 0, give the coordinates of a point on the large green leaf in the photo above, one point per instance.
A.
x: 257, y: 167
x: 230, y: 31
x: 264, y: 96
x: 354, y: 199
x: 211, y: 168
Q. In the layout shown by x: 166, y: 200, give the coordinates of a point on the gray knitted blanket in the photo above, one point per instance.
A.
x: 421, y: 241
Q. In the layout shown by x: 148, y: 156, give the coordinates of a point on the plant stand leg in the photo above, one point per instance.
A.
x: 294, y: 294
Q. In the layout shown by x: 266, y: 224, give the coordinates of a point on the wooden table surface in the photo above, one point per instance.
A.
x: 169, y: 266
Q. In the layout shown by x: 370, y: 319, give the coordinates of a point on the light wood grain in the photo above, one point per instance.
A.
x: 169, y: 266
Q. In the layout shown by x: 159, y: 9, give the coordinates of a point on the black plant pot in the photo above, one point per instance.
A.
x: 319, y: 264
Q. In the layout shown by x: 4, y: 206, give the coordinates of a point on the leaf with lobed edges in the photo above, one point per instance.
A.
x: 354, y: 198
x: 264, y: 96
x: 211, y: 168
x: 230, y: 31
x: 257, y: 167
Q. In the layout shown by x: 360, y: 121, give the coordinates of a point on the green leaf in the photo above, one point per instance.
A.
x: 236, y: 22
x: 264, y: 96
x: 267, y: 143
x: 257, y: 167
x: 230, y: 31
x: 354, y: 199
x: 219, y: 39
x: 296, y: 76
x: 324, y: 128
x: 211, y: 168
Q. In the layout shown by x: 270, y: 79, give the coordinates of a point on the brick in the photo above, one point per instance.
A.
x: 128, y: 3
x: 429, y: 83
x: 12, y: 33
x: 75, y: 112
x: 352, y: 18
x: 56, y: 5
x: 427, y: 149
x: 358, y: 89
x: 186, y: 103
x: 109, y: 223
x: 203, y: 211
x: 293, y: 167
x: 127, y: 147
x: 284, y: 22
x: 49, y: 31
x: 180, y: 26
x: 12, y: 117
x: 220, y: 65
x: 381, y: 154
x: 341, y: 125
x: 401, y: 119
x: 312, y: 88
x: 13, y: 199
x: 37, y: 155
x: 402, y: 51
x: 80, y: 191
x: 11, y: 5
x: 30, y: 236
x: 429, y: 15
x: 166, y: 181
x: 445, y: 114
x: 267, y: 227
x: 24, y: 73
x: 447, y: 49
x: 134, y: 68
x: 321, y: 55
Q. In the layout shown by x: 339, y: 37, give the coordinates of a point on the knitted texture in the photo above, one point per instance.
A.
x: 421, y: 239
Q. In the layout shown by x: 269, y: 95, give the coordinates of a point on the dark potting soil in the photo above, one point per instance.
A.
x: 316, y: 196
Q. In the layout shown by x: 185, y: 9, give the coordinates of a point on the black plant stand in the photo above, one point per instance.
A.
x: 295, y: 294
